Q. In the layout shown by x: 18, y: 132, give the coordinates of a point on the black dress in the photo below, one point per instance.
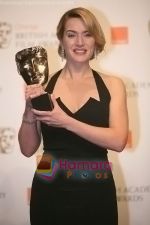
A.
x: 75, y: 195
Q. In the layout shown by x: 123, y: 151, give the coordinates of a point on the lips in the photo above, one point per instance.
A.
x: 80, y: 51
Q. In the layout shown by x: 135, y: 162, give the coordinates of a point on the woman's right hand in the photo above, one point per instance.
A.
x: 31, y: 91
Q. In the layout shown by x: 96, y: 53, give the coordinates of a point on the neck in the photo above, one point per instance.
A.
x: 76, y: 72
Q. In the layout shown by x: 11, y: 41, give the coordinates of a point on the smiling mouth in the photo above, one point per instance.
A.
x: 80, y: 51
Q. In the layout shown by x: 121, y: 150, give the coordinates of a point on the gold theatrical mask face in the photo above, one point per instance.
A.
x: 7, y: 140
x: 32, y: 65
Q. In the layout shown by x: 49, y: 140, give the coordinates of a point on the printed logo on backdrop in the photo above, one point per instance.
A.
x: 133, y: 193
x: 135, y: 87
x: 5, y: 34
x: 25, y: 35
x: 7, y: 140
x: 119, y: 35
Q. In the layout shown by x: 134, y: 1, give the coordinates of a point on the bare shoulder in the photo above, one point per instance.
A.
x: 114, y: 84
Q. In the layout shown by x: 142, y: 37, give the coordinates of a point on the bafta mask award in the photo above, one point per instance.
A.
x: 32, y: 65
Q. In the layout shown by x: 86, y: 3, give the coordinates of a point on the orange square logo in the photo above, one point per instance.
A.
x: 119, y: 35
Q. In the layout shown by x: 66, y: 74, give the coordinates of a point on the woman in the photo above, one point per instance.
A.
x: 89, y: 117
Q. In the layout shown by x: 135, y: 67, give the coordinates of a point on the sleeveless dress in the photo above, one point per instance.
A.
x: 79, y: 188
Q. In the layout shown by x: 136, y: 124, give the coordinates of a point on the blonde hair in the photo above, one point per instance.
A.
x: 90, y: 21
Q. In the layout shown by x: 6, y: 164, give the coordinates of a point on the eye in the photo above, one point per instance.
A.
x: 87, y: 34
x: 70, y: 34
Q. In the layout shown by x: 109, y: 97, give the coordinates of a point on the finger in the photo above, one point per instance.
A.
x: 41, y: 113
x: 34, y: 86
x: 43, y: 119
x: 37, y: 93
x: 54, y: 100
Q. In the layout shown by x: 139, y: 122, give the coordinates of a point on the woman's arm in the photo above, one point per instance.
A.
x: 29, y: 135
x: 114, y: 137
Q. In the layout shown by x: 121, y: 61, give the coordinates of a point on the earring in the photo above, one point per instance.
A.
x: 95, y: 53
x: 62, y: 53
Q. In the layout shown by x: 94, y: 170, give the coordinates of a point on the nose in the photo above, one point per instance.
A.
x: 79, y: 40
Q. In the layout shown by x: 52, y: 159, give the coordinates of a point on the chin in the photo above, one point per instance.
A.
x: 81, y: 60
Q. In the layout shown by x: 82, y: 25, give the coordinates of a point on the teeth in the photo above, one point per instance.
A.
x: 80, y: 51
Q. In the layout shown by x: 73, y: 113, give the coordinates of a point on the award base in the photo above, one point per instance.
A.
x: 42, y: 102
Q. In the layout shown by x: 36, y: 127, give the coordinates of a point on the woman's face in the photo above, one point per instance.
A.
x: 77, y: 41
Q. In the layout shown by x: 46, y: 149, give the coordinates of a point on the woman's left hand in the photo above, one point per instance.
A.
x: 56, y: 118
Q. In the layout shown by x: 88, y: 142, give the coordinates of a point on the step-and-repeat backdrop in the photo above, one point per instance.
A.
x: 26, y: 23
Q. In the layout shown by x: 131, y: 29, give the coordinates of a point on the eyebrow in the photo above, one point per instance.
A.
x: 73, y: 31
